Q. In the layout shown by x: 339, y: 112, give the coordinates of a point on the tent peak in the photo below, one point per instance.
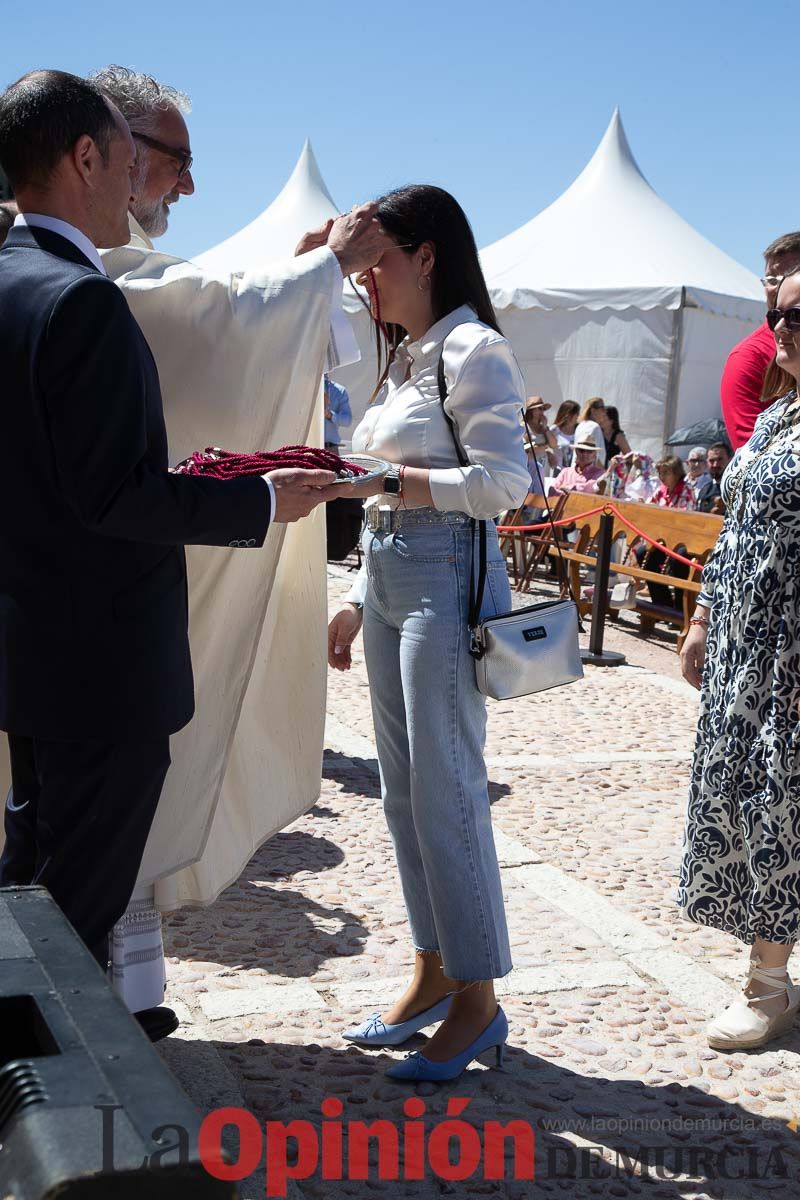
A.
x: 613, y: 155
x: 303, y: 203
x: 608, y: 232
x: 306, y: 176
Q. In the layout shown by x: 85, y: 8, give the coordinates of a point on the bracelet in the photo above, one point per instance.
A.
x: 699, y: 621
x: 402, y: 490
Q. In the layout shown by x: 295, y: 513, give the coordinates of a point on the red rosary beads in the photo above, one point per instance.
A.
x: 223, y: 464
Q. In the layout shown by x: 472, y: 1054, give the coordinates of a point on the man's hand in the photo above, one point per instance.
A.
x: 314, y: 239
x: 693, y: 655
x: 358, y: 239
x: 342, y: 632
x: 298, y: 492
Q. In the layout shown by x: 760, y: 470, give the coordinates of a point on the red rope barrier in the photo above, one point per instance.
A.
x: 689, y: 562
x: 546, y: 524
x: 612, y: 510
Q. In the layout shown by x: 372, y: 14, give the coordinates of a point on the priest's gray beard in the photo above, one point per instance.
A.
x: 153, y: 217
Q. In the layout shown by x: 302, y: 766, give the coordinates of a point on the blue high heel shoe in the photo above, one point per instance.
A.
x: 417, y: 1067
x: 373, y: 1032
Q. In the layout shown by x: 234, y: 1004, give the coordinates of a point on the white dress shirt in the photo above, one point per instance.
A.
x: 485, y: 394
x: 90, y: 251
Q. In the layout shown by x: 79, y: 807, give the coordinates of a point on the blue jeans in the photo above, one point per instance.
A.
x: 430, y: 730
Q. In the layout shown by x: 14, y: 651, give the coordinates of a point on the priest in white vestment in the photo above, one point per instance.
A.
x: 240, y: 359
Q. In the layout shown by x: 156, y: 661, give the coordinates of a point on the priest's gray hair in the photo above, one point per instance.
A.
x: 139, y: 97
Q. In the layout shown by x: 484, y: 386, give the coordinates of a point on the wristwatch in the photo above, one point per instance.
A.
x: 391, y: 483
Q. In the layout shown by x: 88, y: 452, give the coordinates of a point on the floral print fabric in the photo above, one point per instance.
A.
x: 741, y: 858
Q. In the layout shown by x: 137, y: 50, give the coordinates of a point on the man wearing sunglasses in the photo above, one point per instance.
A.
x: 746, y: 368
x: 240, y: 359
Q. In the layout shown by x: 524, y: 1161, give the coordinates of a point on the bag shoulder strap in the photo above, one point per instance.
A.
x: 475, y: 593
x: 476, y: 599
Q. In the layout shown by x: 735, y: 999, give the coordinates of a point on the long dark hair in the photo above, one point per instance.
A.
x: 422, y: 213
x: 566, y: 409
x: 613, y: 416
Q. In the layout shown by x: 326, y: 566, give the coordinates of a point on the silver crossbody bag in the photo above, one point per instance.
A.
x: 526, y: 650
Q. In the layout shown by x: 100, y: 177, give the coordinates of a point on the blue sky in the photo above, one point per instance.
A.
x: 503, y: 103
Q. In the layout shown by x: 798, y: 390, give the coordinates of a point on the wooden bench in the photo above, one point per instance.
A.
x: 691, y: 534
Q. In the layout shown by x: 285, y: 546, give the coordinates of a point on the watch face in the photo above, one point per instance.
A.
x: 391, y: 485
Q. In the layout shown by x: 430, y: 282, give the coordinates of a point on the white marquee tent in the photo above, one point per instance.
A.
x: 609, y: 292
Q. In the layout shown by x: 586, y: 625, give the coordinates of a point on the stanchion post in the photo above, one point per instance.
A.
x: 596, y: 655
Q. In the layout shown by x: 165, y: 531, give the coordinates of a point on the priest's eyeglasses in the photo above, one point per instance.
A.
x: 183, y: 157
x: 791, y: 318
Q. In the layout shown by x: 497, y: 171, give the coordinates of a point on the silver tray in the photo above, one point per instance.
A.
x: 376, y: 468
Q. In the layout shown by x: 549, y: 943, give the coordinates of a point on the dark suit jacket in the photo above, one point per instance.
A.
x: 93, y: 603
x: 708, y: 493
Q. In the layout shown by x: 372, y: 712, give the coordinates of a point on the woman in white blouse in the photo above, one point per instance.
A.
x: 430, y: 300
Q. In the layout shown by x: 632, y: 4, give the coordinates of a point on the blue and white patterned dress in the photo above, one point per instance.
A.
x: 741, y: 857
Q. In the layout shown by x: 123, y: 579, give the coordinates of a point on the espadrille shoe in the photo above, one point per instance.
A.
x: 743, y: 1026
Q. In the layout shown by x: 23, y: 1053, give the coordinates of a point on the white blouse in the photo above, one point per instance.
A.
x: 485, y: 393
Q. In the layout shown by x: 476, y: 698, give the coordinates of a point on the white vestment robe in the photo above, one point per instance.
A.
x: 240, y: 359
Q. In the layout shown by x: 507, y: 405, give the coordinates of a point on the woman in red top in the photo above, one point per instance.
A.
x: 674, y: 491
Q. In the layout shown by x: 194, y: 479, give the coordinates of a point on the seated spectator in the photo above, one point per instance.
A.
x: 589, y: 431
x: 544, y: 446
x: 612, y: 439
x: 709, y: 497
x: 674, y: 491
x: 595, y: 410
x: 584, y: 476
x: 697, y: 473
x: 616, y: 442
x: 563, y: 427
x: 631, y: 477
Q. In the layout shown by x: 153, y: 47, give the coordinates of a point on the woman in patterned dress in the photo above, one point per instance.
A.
x: 741, y: 857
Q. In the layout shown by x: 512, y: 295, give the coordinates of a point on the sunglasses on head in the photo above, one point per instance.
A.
x: 791, y: 318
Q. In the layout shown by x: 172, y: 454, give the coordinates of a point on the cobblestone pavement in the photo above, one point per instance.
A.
x: 611, y: 988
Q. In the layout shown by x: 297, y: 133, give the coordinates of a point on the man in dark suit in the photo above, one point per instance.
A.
x: 95, y: 672
x: 709, y: 497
